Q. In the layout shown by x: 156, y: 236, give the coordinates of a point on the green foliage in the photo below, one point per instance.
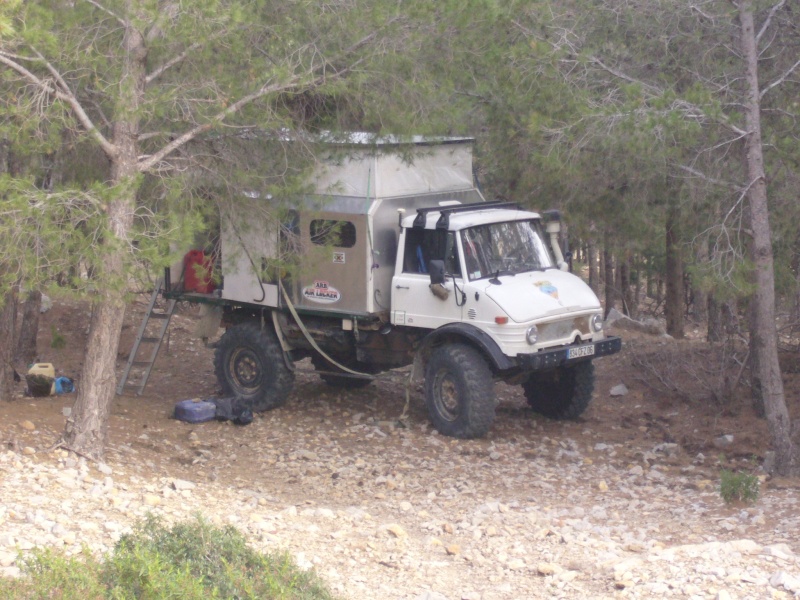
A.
x: 49, y: 574
x: 6, y: 21
x: 190, y: 560
x: 58, y: 341
x: 49, y: 234
x: 738, y: 487
x: 590, y: 107
x: 357, y: 65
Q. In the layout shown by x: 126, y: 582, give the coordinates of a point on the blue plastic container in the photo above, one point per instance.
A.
x: 195, y: 411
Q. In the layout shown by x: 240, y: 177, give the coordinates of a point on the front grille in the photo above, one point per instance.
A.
x: 564, y: 330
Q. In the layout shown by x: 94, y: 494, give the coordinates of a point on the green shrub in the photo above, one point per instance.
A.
x: 191, y: 560
x: 49, y: 574
x: 738, y: 487
x: 58, y: 342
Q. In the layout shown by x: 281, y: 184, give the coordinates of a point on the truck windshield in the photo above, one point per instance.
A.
x: 505, y: 249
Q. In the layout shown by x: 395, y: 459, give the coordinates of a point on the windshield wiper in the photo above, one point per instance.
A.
x: 528, y: 269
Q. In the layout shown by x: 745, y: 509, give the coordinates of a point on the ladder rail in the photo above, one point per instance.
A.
x: 155, y: 340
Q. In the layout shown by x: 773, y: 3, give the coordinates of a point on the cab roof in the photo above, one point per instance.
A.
x: 455, y: 216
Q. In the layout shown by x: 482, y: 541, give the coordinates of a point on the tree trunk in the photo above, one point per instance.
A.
x: 659, y: 289
x: 673, y: 308
x: 624, y: 278
x: 754, y: 334
x: 795, y: 316
x: 608, y: 268
x: 8, y: 322
x: 9, y: 163
x: 29, y: 330
x: 87, y: 429
x: 594, y: 275
x: 601, y: 270
x: 701, y: 295
x: 715, y: 330
x: 787, y: 458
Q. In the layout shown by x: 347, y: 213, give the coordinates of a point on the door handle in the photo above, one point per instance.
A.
x: 402, y: 287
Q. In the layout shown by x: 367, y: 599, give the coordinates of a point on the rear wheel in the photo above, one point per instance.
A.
x: 249, y: 364
x: 561, y: 394
x: 459, y: 391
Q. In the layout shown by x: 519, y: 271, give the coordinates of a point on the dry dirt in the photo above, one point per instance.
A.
x: 641, y: 470
x: 644, y: 417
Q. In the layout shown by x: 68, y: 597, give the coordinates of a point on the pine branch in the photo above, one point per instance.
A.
x: 708, y: 178
x: 326, y: 73
x: 156, y: 73
x: 65, y: 95
x: 780, y: 79
x: 690, y: 107
x: 768, y: 20
x: 108, y: 11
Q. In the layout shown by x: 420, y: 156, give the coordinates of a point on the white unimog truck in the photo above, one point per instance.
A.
x: 402, y: 262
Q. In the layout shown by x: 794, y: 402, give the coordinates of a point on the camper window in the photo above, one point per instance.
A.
x: 327, y: 232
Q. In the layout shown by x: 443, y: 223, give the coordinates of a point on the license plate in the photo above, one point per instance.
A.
x: 580, y: 351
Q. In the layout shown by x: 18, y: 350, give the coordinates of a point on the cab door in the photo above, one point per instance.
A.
x: 413, y: 302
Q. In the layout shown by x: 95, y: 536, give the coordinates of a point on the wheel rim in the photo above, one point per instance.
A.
x: 245, y: 369
x: 445, y: 396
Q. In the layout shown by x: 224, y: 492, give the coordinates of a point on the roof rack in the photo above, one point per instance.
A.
x: 444, y: 219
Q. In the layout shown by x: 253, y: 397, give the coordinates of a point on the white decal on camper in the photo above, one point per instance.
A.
x: 321, y: 292
x: 338, y: 258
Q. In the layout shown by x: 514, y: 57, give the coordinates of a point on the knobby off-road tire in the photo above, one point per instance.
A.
x: 459, y: 391
x: 249, y: 364
x: 561, y: 394
x: 343, y: 382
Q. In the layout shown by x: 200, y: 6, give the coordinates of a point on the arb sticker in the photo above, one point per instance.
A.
x: 321, y: 292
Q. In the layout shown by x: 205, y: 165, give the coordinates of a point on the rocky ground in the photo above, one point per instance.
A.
x: 622, y: 504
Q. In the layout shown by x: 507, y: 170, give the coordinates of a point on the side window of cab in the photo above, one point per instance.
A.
x: 424, y: 245
x: 416, y: 254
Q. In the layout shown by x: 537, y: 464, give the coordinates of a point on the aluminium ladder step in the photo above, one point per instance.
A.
x: 134, y: 361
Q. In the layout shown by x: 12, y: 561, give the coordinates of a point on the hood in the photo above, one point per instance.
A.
x: 539, y: 294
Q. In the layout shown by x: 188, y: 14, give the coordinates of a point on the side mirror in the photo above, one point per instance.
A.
x: 436, y: 270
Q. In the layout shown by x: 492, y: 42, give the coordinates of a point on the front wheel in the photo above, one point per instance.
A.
x: 459, y: 391
x: 249, y: 364
x: 561, y: 394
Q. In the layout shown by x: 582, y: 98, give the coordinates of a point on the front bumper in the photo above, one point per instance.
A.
x: 551, y: 359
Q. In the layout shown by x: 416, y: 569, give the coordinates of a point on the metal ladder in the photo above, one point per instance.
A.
x: 142, y: 368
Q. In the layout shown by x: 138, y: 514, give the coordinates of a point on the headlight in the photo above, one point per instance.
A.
x: 597, y: 323
x: 532, y: 334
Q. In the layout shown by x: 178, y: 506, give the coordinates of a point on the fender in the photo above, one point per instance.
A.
x: 479, y: 338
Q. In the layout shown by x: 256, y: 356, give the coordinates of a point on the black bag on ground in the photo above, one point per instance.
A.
x: 233, y: 409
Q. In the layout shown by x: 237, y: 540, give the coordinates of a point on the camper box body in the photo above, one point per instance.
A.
x: 357, y: 196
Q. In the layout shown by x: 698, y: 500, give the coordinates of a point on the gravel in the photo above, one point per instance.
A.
x: 384, y: 509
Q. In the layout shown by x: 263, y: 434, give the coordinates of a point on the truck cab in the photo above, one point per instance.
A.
x: 488, y: 284
x: 498, y: 273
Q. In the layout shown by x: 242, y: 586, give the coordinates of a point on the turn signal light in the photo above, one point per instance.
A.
x: 501, y: 320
